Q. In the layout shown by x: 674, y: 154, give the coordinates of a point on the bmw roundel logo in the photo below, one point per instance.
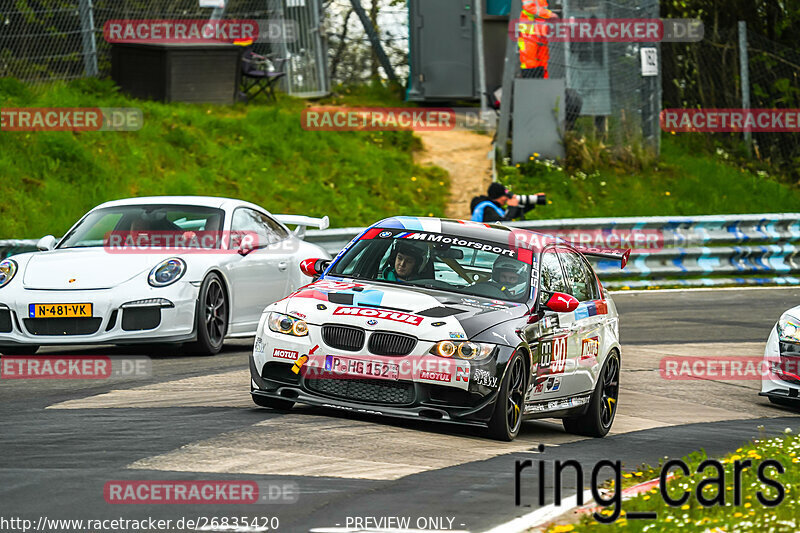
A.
x: 372, y: 322
x: 385, y: 234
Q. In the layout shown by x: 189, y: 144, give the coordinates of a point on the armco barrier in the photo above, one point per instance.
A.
x: 692, y: 251
x: 16, y: 246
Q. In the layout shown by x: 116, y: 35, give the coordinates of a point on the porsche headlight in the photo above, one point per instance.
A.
x: 789, y: 328
x: 472, y: 351
x: 167, y: 272
x: 8, y: 268
x: 288, y: 325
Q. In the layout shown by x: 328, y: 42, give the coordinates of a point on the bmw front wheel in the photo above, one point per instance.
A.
x: 507, y: 418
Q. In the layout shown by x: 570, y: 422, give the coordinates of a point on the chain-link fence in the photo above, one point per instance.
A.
x: 708, y: 75
x: 618, y: 104
x: 45, y: 40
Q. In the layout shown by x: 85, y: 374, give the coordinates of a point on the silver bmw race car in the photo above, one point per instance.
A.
x: 451, y: 321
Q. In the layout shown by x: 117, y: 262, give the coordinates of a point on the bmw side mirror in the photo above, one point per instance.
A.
x: 313, y: 267
x: 562, y: 303
x: 48, y: 242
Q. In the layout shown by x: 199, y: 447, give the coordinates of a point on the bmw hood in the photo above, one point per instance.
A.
x: 85, y: 268
x: 426, y: 314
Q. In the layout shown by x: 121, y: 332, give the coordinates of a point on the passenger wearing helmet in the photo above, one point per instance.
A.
x: 406, y: 261
x: 508, y: 274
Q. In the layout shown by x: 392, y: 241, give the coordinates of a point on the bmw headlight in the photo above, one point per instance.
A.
x: 8, y: 267
x: 471, y: 351
x: 789, y: 328
x: 288, y: 325
x: 167, y: 272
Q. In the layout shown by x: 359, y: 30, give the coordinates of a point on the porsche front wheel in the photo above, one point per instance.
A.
x: 211, y: 320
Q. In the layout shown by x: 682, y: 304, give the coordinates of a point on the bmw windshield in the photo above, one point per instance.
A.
x: 436, y: 261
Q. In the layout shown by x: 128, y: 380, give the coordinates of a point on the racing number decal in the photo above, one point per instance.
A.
x: 559, y: 355
x: 554, y: 355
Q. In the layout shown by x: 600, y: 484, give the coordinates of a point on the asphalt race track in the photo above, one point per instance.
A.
x: 61, y: 441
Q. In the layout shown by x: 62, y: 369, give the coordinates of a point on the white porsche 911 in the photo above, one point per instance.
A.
x: 781, y: 379
x: 169, y: 269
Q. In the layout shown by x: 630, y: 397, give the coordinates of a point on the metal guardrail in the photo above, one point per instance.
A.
x: 689, y: 251
x: 701, y: 251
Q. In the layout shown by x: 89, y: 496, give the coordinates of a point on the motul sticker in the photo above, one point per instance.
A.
x: 590, y: 348
x: 284, y: 354
x: 377, y: 313
x: 435, y: 376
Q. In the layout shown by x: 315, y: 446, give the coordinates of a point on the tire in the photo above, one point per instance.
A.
x: 22, y: 349
x: 272, y: 403
x: 598, y: 418
x: 785, y: 402
x: 506, y: 420
x: 211, y: 319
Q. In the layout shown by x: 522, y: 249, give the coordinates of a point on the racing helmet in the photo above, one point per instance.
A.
x: 420, y: 251
x: 508, y: 265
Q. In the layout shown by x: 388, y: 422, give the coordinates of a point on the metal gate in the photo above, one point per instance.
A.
x: 66, y: 41
x: 306, y: 56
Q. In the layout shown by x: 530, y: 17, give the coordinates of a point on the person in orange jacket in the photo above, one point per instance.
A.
x: 534, y: 53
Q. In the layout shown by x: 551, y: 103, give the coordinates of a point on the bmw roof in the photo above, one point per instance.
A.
x: 513, y: 237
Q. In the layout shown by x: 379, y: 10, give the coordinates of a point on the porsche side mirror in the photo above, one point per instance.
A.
x: 48, y: 242
x: 562, y: 303
x: 313, y: 267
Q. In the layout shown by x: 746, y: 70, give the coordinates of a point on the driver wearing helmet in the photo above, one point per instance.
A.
x: 508, y: 274
x: 407, y: 261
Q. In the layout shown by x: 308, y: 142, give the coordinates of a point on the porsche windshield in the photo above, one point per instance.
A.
x: 435, y: 261
x: 142, y: 220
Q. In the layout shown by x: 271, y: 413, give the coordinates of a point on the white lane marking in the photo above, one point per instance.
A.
x: 541, y: 515
x: 382, y: 530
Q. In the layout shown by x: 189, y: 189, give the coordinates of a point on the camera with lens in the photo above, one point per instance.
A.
x: 532, y: 199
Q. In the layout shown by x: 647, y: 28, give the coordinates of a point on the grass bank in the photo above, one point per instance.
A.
x: 749, y: 514
x: 257, y: 152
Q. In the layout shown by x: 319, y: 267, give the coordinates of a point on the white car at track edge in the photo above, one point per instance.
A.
x: 781, y: 379
x: 170, y: 269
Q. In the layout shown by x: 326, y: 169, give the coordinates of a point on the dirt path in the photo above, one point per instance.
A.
x: 463, y: 154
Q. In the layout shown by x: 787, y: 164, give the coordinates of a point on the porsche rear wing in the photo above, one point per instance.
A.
x: 607, y: 253
x: 302, y: 222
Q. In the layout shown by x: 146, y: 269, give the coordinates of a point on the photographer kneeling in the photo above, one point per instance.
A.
x: 502, y: 205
